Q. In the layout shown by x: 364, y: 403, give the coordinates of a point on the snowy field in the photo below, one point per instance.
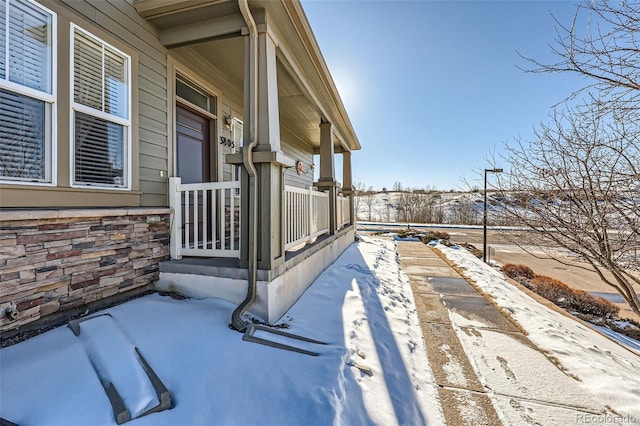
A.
x: 382, y: 207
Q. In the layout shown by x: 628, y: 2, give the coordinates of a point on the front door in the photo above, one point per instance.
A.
x: 193, y: 143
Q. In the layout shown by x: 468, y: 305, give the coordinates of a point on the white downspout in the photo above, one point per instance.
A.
x: 247, y: 158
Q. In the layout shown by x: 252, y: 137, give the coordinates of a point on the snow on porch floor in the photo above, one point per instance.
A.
x: 362, y: 306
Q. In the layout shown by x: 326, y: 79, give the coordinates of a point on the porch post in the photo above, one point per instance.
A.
x: 268, y: 157
x: 327, y: 179
x: 347, y: 185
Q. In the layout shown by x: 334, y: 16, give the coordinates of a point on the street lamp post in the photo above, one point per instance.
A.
x: 484, y: 221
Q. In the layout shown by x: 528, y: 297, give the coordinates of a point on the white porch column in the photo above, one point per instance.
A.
x: 327, y: 179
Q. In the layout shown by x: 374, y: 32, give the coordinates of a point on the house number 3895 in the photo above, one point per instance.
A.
x: 226, y: 142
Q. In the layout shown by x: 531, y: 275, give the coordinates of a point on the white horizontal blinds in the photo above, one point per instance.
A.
x: 87, y: 67
x: 29, y: 45
x: 3, y: 38
x: 99, y: 154
x: 26, y: 91
x: 101, y: 95
x: 22, y: 142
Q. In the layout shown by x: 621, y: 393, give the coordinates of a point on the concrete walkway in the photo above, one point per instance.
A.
x: 476, y: 379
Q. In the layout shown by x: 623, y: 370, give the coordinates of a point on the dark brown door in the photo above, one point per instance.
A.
x: 193, y: 142
x: 193, y: 146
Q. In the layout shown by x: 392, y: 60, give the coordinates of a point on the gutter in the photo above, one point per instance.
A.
x: 247, y: 159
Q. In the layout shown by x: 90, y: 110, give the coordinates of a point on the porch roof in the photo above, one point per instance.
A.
x: 306, y: 90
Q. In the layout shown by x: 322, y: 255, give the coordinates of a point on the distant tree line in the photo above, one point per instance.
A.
x: 417, y: 206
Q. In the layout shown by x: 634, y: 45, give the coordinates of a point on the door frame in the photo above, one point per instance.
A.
x: 177, y: 69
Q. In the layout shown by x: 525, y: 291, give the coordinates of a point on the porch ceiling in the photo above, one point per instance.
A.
x: 212, y: 30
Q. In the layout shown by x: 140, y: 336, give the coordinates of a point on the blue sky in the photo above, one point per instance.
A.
x: 432, y: 87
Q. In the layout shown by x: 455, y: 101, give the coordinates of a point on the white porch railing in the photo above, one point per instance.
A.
x: 206, y: 220
x: 306, y: 215
x: 343, y: 211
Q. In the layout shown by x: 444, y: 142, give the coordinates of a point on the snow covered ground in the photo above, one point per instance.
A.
x: 362, y: 306
x: 604, y: 368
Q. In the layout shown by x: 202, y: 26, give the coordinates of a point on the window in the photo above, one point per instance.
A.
x: 194, y: 97
x: 100, y: 104
x: 27, y: 98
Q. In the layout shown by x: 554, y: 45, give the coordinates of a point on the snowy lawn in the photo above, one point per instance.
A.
x: 605, y: 369
x: 362, y: 306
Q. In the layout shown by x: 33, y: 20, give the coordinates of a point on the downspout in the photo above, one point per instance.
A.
x: 247, y: 159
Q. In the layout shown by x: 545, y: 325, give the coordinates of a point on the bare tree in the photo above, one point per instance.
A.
x: 576, y: 187
x: 463, y: 213
x: 359, y: 189
x: 368, y: 199
x: 602, y: 44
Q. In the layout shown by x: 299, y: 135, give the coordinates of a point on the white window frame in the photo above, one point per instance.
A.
x: 77, y: 107
x: 51, y: 113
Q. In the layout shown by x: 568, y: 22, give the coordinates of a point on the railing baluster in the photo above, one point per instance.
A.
x: 214, y: 220
x: 232, y: 230
x: 205, y: 219
x: 187, y: 218
x: 196, y: 223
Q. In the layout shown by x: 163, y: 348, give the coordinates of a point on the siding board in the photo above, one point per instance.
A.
x: 156, y: 126
x: 291, y: 177
x: 152, y: 99
x: 155, y: 200
x: 152, y: 162
x: 158, y: 188
x: 153, y: 112
x: 151, y: 87
x: 151, y: 175
x: 156, y: 76
x: 153, y: 150
x: 153, y: 138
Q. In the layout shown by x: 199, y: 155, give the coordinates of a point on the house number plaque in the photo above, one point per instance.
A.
x: 227, y: 142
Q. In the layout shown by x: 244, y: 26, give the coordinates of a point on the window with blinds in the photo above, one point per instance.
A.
x: 26, y: 91
x: 101, y: 117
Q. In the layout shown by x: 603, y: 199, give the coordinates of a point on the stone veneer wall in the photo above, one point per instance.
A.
x: 55, y: 260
